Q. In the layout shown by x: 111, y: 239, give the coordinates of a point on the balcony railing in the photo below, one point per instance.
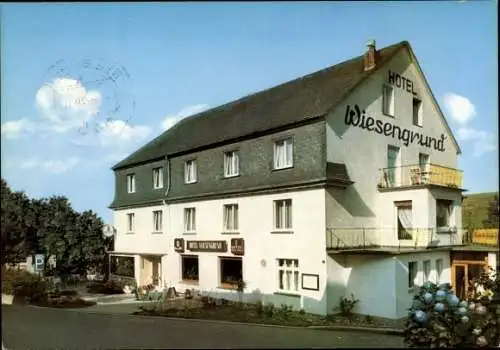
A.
x: 420, y: 175
x: 373, y: 238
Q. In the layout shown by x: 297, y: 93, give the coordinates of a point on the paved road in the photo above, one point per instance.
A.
x: 25, y: 327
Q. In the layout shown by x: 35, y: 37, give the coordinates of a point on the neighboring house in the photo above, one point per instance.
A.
x: 342, y: 181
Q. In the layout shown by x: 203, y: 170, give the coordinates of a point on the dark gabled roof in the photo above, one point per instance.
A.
x: 308, y: 97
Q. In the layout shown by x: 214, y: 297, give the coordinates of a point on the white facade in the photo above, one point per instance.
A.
x: 361, y: 211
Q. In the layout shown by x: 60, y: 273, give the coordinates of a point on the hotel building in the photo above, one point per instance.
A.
x: 340, y: 182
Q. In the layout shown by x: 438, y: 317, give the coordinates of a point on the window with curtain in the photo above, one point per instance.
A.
x: 405, y: 219
x: 190, y: 171
x: 283, y: 154
x: 288, y: 275
x: 231, y: 164
x: 231, y: 217
x: 283, y: 214
x: 443, y: 213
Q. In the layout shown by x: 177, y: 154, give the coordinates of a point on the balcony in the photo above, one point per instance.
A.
x: 420, y: 176
x: 389, y: 239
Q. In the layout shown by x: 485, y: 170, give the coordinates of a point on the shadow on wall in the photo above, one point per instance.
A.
x: 352, y: 202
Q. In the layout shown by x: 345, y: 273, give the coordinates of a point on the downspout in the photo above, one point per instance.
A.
x: 168, y: 178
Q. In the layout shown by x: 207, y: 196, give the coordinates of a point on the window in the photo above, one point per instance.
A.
x: 392, y: 165
x: 231, y: 164
x: 405, y: 219
x: 439, y: 270
x: 231, y: 271
x: 231, y: 217
x: 157, y: 220
x: 388, y: 100
x: 443, y: 213
x: 190, y: 171
x: 283, y: 214
x: 190, y: 268
x: 427, y: 270
x: 130, y: 222
x: 417, y: 112
x: 412, y: 273
x: 189, y: 219
x: 283, y: 154
x: 288, y: 275
x: 158, y: 178
x: 131, y: 183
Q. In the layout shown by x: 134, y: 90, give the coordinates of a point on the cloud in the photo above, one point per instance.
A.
x: 170, y: 120
x: 52, y: 166
x: 483, y: 140
x: 14, y: 129
x: 459, y: 107
x: 66, y: 104
x: 112, y: 133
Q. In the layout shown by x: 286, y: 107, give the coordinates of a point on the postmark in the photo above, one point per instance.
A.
x: 87, y: 94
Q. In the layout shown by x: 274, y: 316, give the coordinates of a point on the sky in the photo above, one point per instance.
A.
x: 84, y: 85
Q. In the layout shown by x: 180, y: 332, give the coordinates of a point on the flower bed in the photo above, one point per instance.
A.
x: 219, y: 309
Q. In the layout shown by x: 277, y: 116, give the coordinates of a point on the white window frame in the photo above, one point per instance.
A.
x: 388, y: 109
x: 189, y: 220
x: 283, y: 153
x: 419, y: 117
x: 130, y: 222
x: 291, y: 268
x: 282, y: 210
x: 439, y: 270
x: 157, y: 178
x: 231, y: 164
x: 157, y: 220
x: 190, y: 175
x: 230, y: 217
x: 426, y: 269
x: 413, y: 283
x: 131, y: 183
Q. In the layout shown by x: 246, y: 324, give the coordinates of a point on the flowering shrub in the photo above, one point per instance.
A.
x: 438, y: 318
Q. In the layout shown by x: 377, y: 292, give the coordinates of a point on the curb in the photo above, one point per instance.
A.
x: 390, y: 331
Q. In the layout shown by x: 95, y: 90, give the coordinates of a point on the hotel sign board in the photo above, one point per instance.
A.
x: 238, y: 246
x: 207, y: 246
x: 179, y: 245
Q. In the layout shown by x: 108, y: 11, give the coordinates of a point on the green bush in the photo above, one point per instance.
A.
x: 107, y: 287
x: 438, y: 318
x: 24, y: 285
x: 347, y: 305
x: 269, y: 310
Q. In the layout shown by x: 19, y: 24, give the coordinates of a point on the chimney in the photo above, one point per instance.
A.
x: 370, y: 55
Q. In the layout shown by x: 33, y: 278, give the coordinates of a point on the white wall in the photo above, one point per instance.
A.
x: 404, y: 295
x: 369, y: 207
x: 306, y: 243
x: 142, y: 240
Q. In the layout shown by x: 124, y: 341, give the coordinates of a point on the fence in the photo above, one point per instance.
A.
x: 364, y: 238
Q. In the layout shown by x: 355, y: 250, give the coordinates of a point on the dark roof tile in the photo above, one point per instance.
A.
x: 303, y: 98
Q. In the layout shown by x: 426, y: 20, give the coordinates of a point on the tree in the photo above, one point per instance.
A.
x: 52, y: 227
x: 492, y: 220
x: 13, y: 228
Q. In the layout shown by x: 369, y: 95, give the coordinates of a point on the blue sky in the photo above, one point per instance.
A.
x: 184, y: 57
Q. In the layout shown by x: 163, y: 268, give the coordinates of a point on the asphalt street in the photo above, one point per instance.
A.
x: 25, y: 327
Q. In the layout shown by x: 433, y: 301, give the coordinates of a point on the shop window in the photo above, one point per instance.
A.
x: 231, y: 272
x: 190, y: 268
x: 122, y: 266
